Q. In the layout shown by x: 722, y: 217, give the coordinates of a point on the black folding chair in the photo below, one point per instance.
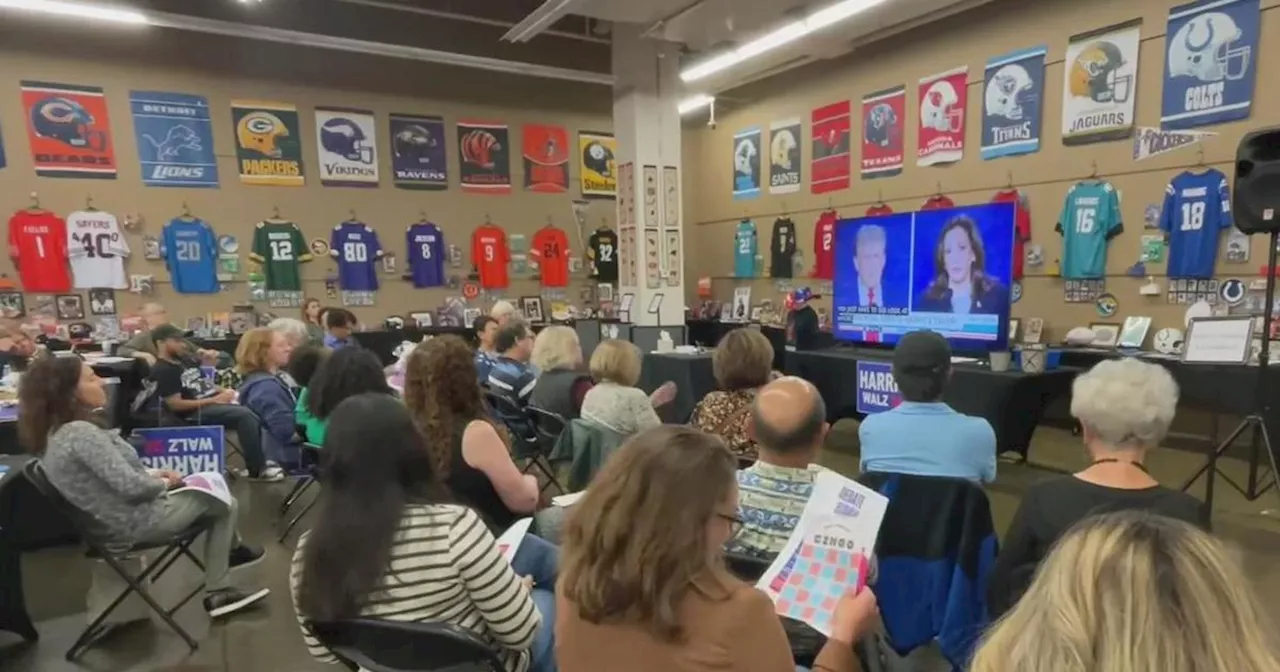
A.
x: 99, y: 548
x: 749, y: 568
x: 394, y: 646
x: 311, y: 457
x: 548, y: 426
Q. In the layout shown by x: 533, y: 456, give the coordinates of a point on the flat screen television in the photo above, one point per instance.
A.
x: 946, y: 270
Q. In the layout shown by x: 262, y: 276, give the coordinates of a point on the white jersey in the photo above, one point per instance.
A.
x: 97, y: 250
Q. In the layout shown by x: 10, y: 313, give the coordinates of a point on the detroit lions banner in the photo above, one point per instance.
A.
x: 1101, y: 84
x: 486, y: 157
x: 1210, y: 69
x: 69, y: 131
x: 784, y: 156
x: 268, y: 143
x: 883, y: 113
x: 598, y: 172
x: 345, y: 141
x: 943, y: 99
x: 175, y: 139
x: 418, y: 152
x: 746, y: 163
x: 1012, y: 103
x: 830, y: 158
x: 546, y: 158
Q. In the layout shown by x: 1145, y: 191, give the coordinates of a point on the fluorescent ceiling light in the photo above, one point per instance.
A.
x: 784, y: 35
x: 78, y: 10
x: 694, y: 102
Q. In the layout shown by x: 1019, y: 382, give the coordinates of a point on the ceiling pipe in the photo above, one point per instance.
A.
x: 662, y: 23
x: 540, y: 19
x: 455, y: 16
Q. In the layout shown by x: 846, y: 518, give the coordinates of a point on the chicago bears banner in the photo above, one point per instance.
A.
x: 546, y: 158
x: 598, y: 172
x: 69, y: 130
x: 418, y: 152
x: 883, y: 113
x: 345, y: 140
x: 486, y: 157
x: 1210, y: 69
x: 830, y: 167
x: 175, y: 139
x: 1101, y: 84
x: 268, y: 143
x: 746, y: 163
x: 943, y: 98
x: 1012, y: 103
x: 784, y: 156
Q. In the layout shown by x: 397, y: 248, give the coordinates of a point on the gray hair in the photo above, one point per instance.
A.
x: 869, y: 233
x: 293, y: 329
x: 556, y: 347
x: 1126, y: 402
x: 501, y: 309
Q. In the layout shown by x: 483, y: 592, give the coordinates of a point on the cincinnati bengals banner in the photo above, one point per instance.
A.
x: 546, y: 158
x: 830, y: 162
x: 69, y: 131
x: 486, y: 157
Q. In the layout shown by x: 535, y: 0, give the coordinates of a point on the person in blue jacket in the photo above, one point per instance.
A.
x: 260, y: 358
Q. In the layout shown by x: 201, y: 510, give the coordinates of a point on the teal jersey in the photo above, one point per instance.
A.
x: 744, y: 249
x: 1090, y: 218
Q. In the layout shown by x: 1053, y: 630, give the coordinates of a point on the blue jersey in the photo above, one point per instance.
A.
x: 191, y: 254
x: 426, y: 254
x: 1090, y: 218
x: 744, y: 249
x: 1196, y: 210
x: 357, y: 250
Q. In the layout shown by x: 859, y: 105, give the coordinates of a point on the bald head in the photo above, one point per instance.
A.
x: 789, y: 418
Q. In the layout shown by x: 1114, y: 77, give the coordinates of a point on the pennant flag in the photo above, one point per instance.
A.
x: 883, y: 113
x: 418, y: 152
x: 486, y: 157
x: 830, y: 158
x: 1211, y: 66
x: 1101, y: 84
x: 784, y: 156
x: 1149, y: 142
x: 348, y: 148
x: 598, y: 172
x: 546, y: 158
x: 268, y: 143
x: 1012, y: 103
x: 943, y: 99
x: 746, y: 163
x: 69, y: 131
x: 175, y: 139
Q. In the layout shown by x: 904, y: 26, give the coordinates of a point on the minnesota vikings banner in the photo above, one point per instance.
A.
x: 175, y: 139
x: 883, y: 113
x: 347, y: 145
x: 418, y: 152
x: 68, y: 129
x: 943, y: 98
x: 268, y: 143
x: 830, y: 167
x: 546, y: 158
x: 486, y: 157
x: 1101, y: 82
x: 746, y: 163
x: 598, y: 172
x: 1012, y: 103
x: 1209, y: 72
x: 784, y: 156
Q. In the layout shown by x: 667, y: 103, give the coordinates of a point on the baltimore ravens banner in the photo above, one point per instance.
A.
x: 598, y: 172
x: 1012, y: 103
x: 784, y: 156
x: 546, y: 158
x: 943, y: 99
x: 175, y: 139
x: 830, y: 158
x: 486, y: 157
x: 69, y: 131
x: 345, y: 140
x: 1209, y: 73
x: 746, y: 163
x: 268, y: 143
x: 418, y: 152
x: 1101, y: 82
x: 883, y: 113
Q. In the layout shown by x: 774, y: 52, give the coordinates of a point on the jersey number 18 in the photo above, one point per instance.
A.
x: 1192, y: 216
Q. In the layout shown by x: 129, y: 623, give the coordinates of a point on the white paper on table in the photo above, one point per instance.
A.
x: 569, y: 499
x: 210, y: 483
x: 510, y: 540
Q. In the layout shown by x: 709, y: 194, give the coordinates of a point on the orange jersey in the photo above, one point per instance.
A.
x: 550, y: 250
x: 490, y: 255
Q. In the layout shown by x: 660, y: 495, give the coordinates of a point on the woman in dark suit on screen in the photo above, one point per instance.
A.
x: 961, y: 284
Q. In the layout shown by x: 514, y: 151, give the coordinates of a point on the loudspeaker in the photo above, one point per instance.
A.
x: 1256, y: 194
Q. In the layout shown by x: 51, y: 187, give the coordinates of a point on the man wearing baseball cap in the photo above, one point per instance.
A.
x: 802, y: 321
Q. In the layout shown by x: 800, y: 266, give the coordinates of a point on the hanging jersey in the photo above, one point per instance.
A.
x: 550, y: 250
x: 38, y: 243
x: 938, y: 202
x: 279, y: 248
x: 97, y: 250
x: 824, y: 245
x: 1196, y: 210
x: 426, y: 254
x: 744, y: 249
x: 190, y: 253
x: 782, y: 246
x: 879, y: 210
x: 602, y: 248
x: 490, y: 255
x: 1021, y: 225
x: 1090, y: 218
x: 357, y: 249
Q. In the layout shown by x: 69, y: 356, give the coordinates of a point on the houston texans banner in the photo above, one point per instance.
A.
x: 69, y: 131
x: 746, y: 163
x: 830, y: 167
x: 347, y: 145
x: 943, y: 99
x: 546, y: 158
x: 175, y: 139
x: 598, y: 172
x: 486, y: 157
x: 1012, y: 103
x: 1212, y: 63
x: 418, y: 158
x: 268, y: 143
x: 883, y: 113
x: 784, y: 156
x: 1100, y: 88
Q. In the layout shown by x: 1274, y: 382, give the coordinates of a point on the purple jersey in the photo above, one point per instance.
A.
x: 357, y: 250
x: 426, y: 254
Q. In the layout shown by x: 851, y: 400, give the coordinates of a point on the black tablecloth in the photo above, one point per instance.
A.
x: 708, y: 333
x: 27, y: 523
x: 691, y: 374
x: 382, y: 342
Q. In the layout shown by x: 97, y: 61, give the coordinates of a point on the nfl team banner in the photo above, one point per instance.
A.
x: 418, y: 152
x: 1012, y: 102
x: 175, y: 139
x: 877, y: 390
x: 943, y: 98
x: 784, y: 156
x: 1100, y: 86
x: 186, y: 450
x: 1149, y: 142
x: 546, y: 158
x: 1211, y: 65
x: 598, y: 172
x: 2, y: 161
x: 68, y: 129
x: 268, y: 143
x: 746, y: 163
x: 486, y: 157
x: 882, y: 118
x: 830, y: 167
x: 346, y: 142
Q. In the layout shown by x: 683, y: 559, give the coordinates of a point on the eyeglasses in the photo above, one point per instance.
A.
x: 735, y: 523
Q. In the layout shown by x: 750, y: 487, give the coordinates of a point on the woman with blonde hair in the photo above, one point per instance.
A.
x: 742, y: 363
x: 261, y: 357
x: 562, y: 380
x: 615, y: 401
x: 1134, y: 592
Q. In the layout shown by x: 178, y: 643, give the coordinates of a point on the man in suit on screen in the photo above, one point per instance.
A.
x: 869, y: 256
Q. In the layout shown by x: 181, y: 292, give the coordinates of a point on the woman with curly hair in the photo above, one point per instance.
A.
x: 347, y: 372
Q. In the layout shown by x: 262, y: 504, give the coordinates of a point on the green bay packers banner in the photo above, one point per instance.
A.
x: 347, y: 148
x: 268, y: 143
x: 546, y: 158
x: 598, y: 172
x: 485, y: 149
x: 1101, y: 82
x: 784, y: 156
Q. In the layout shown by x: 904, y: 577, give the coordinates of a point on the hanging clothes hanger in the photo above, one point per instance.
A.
x: 880, y: 197
x: 352, y: 214
x: 34, y: 204
x: 186, y: 212
x: 1009, y: 185
x: 275, y: 215
x: 88, y: 203
x: 1200, y: 155
x: 422, y: 216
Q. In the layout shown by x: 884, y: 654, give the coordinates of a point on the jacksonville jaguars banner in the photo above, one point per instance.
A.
x: 1100, y: 87
x: 883, y: 113
x: 830, y: 158
x: 1012, y: 103
x: 1209, y: 70
x: 68, y: 129
x: 546, y: 158
x: 784, y: 156
x: 486, y: 157
x: 345, y: 140
x: 418, y: 152
x: 943, y: 99
x: 598, y: 172
x: 175, y: 139
x: 268, y: 143
x: 746, y: 163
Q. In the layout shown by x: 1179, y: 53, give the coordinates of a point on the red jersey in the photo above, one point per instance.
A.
x: 938, y: 202
x: 490, y: 255
x: 1021, y: 226
x: 824, y: 246
x: 550, y: 250
x: 38, y: 245
x: 877, y: 210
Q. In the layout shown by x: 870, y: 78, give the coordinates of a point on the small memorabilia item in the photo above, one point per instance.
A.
x: 423, y: 320
x: 1034, y: 255
x: 756, y: 313
x: 1015, y: 291
x: 1134, y: 331
x: 1106, y: 305
x: 575, y: 264
x: 284, y: 299
x: 1151, y: 216
x: 389, y: 263
x: 1083, y: 291
x: 102, y: 301
x: 674, y: 262
x: 70, y: 307
x: 1237, y: 247
x: 12, y: 305
x: 241, y: 319
x: 198, y: 325
x: 1035, y: 329
x: 1232, y: 291
x: 319, y: 247
x: 1105, y: 334
x: 470, y: 315
x: 228, y: 264
x: 228, y: 244
x: 531, y: 306
x: 150, y: 248
x: 671, y: 197
x: 1013, y: 329
x: 455, y: 256
x: 357, y: 298
x: 43, y: 305
x: 1153, y: 248
x: 604, y: 292
x: 257, y: 290
x: 741, y: 306
x: 142, y: 284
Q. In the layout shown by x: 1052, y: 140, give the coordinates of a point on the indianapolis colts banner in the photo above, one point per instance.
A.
x: 175, y: 139
x: 68, y: 129
x: 1100, y: 87
x: 943, y: 99
x: 784, y: 156
x: 345, y: 140
x: 268, y: 143
x: 418, y: 146
x: 1210, y: 68
x: 746, y: 163
x: 831, y: 145
x: 546, y: 158
x: 1012, y: 104
x: 599, y: 171
x: 486, y: 157
x: 883, y: 113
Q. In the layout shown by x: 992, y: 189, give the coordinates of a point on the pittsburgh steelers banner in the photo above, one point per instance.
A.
x: 598, y: 172
x: 883, y: 115
x: 1101, y: 84
x: 546, y: 158
x: 175, y: 139
x: 830, y: 158
x: 943, y: 100
x: 345, y: 141
x: 784, y: 156
x: 486, y: 157
x: 69, y: 131
x: 746, y: 163
x: 1212, y: 63
x: 418, y: 152
x: 268, y: 143
x: 1012, y: 103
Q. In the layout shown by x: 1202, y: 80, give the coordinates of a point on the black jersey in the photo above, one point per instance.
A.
x: 602, y: 249
x: 782, y: 248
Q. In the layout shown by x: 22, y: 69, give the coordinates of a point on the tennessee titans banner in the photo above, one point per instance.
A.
x: 746, y: 163
x: 598, y: 172
x: 418, y: 152
x: 943, y: 98
x: 69, y: 131
x: 268, y: 143
x: 175, y: 139
x: 784, y: 156
x: 1100, y: 86
x: 546, y: 158
x: 345, y: 140
x: 486, y: 157
x: 1209, y: 72
x: 830, y: 167
x: 883, y: 113
x: 1012, y: 104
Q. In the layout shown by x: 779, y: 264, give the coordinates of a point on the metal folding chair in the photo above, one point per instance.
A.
x: 548, y: 426
x: 395, y: 646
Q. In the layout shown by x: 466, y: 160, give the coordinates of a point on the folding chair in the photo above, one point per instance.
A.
x: 310, y: 455
x: 749, y: 568
x: 548, y: 426
x: 394, y: 646
x: 99, y: 548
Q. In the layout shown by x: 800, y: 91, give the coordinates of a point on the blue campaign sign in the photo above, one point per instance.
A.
x: 877, y: 391
x: 186, y: 450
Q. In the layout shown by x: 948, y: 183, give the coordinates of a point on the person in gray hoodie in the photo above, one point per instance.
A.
x: 261, y: 357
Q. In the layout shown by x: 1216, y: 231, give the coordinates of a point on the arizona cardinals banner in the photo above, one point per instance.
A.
x: 784, y: 156
x: 268, y: 143
x: 943, y: 98
x: 1101, y: 82
x: 1209, y: 73
x: 830, y: 167
x: 175, y: 139
x: 746, y: 163
x: 348, y: 148
x: 418, y: 152
x: 598, y: 172
x: 546, y: 158
x: 68, y: 129
x: 883, y: 113
x: 1012, y: 104
x: 486, y: 157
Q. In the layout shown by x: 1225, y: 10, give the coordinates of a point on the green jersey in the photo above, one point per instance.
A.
x: 279, y: 247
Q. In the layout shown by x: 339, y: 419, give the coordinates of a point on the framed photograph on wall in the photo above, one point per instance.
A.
x: 1034, y: 331
x: 1014, y: 323
x: 70, y: 307
x: 531, y: 306
x: 1106, y: 334
x: 12, y: 305
x: 1134, y: 331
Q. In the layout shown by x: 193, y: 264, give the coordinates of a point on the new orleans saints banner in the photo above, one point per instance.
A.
x: 784, y: 156
x: 69, y: 131
x: 598, y: 172
x: 546, y: 158
x: 268, y: 143
x: 486, y: 157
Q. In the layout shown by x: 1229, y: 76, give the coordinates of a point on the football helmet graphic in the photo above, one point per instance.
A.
x: 1207, y: 48
x: 743, y: 156
x: 940, y: 109
x: 68, y: 122
x: 881, y: 123
x: 413, y: 142
x: 598, y: 158
x: 1095, y: 74
x: 478, y: 147
x: 261, y: 132
x: 1007, y: 91
x: 780, y: 148
x: 343, y: 137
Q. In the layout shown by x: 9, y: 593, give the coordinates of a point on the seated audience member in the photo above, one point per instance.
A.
x: 296, y: 335
x: 16, y: 348
x: 788, y: 421
x: 387, y: 545
x: 1125, y: 407
x: 563, y: 382
x: 486, y: 328
x: 742, y: 363
x: 313, y: 318
x: 924, y: 436
x: 1137, y: 592
x: 346, y: 373
x: 503, y: 312
x: 615, y: 401
x: 141, y: 346
x: 99, y: 473
x: 643, y: 585
x: 341, y: 325
x: 261, y: 357
x: 511, y: 375
x: 302, y: 367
